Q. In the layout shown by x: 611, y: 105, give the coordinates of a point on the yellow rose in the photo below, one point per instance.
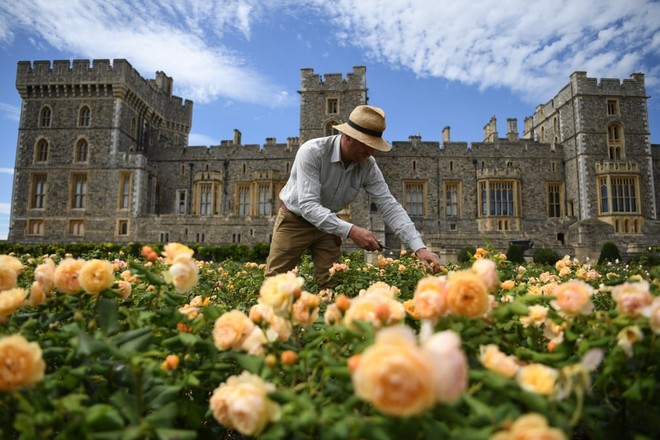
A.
x: 395, y: 375
x: 242, y: 403
x: 12, y: 262
x: 173, y: 250
x: 96, y: 276
x: 530, y: 426
x: 537, y: 378
x: 492, y: 358
x: 537, y: 315
x: 467, y: 294
x: 487, y: 271
x: 231, y: 329
x: 21, y: 363
x: 11, y: 300
x: 66, y: 275
x: 429, y: 300
x: 574, y: 297
x: 279, y: 292
x: 8, y: 277
x: 507, y: 284
x: 628, y: 337
x: 183, y: 273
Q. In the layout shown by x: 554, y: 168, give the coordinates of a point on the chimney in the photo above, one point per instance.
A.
x: 445, y: 134
x: 237, y: 137
x: 512, y: 129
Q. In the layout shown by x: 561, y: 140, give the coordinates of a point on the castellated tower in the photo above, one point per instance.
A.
x: 85, y: 135
x: 328, y: 100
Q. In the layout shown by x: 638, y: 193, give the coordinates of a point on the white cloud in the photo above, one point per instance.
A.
x: 195, y: 139
x: 5, y: 208
x: 528, y: 47
x: 6, y: 170
x: 11, y: 112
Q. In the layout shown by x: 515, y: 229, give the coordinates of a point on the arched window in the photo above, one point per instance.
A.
x: 41, y: 151
x: 84, y: 116
x: 81, y: 152
x: 44, y: 117
x: 615, y: 141
x: 329, y: 128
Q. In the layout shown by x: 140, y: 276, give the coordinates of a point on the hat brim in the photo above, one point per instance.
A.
x: 377, y: 143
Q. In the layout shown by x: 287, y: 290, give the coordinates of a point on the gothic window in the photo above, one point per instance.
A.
x: 44, y: 117
x: 452, y: 199
x: 554, y: 200
x: 414, y: 196
x: 243, y: 205
x: 332, y: 106
x: 79, y: 191
x: 498, y: 198
x: 35, y: 227
x: 205, y: 198
x: 612, y: 107
x: 618, y: 194
x: 122, y: 227
x: 84, y: 116
x: 615, y: 141
x: 181, y: 201
x: 329, y: 128
x: 124, y: 190
x: 41, y: 151
x: 38, y: 193
x: 81, y: 151
x: 77, y: 227
x: 264, y: 198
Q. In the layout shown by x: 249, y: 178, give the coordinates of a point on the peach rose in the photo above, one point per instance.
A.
x: 96, y: 276
x: 12, y: 262
x: 124, y: 288
x: 450, y: 367
x: 487, y: 271
x: 8, y: 277
x: 242, y: 403
x: 21, y: 363
x: 429, y: 300
x: 66, y: 275
x: 277, y: 327
x: 333, y: 314
x: 537, y: 378
x: 306, y: 309
x: 507, y: 284
x: 37, y: 294
x: 280, y: 291
x: 183, y: 273
x: 530, y: 426
x: 467, y: 294
x: 492, y: 358
x: 573, y: 297
x: 254, y: 342
x: 44, y: 274
x: 381, y: 288
x: 395, y: 375
x: 652, y: 312
x: 12, y: 300
x: 631, y: 298
x: 379, y: 310
x: 231, y: 329
x: 173, y: 250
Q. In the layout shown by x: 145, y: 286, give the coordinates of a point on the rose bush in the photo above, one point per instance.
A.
x: 162, y: 345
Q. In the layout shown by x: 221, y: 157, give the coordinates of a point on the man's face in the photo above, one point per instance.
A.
x: 357, y: 152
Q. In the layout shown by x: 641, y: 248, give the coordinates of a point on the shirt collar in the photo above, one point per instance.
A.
x: 336, y: 149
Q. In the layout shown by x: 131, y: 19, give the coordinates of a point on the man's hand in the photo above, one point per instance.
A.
x: 429, y: 259
x: 364, y: 238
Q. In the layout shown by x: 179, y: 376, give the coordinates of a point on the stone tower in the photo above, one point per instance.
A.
x: 328, y: 100
x: 85, y: 135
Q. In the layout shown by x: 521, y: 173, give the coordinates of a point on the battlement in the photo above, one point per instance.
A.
x: 117, y: 75
x: 633, y: 86
x: 312, y: 81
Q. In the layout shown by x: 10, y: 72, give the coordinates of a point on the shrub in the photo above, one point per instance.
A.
x: 466, y: 254
x: 545, y: 256
x: 609, y: 252
x: 515, y: 254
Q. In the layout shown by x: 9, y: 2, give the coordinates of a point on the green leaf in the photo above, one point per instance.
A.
x: 175, y: 434
x: 108, y: 315
x: 103, y: 417
x: 634, y: 392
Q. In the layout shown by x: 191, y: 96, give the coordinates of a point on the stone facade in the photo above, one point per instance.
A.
x: 103, y: 156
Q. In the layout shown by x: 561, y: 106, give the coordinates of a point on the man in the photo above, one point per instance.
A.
x: 326, y: 176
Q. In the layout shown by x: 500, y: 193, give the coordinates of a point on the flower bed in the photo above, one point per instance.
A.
x: 165, y: 346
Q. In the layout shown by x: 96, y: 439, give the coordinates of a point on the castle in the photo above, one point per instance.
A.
x: 103, y: 156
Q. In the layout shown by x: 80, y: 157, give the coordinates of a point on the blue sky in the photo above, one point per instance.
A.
x: 430, y: 63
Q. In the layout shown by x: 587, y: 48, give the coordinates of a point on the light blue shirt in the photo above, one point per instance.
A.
x: 320, y: 186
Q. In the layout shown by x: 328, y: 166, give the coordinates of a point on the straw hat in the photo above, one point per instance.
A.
x: 366, y: 124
